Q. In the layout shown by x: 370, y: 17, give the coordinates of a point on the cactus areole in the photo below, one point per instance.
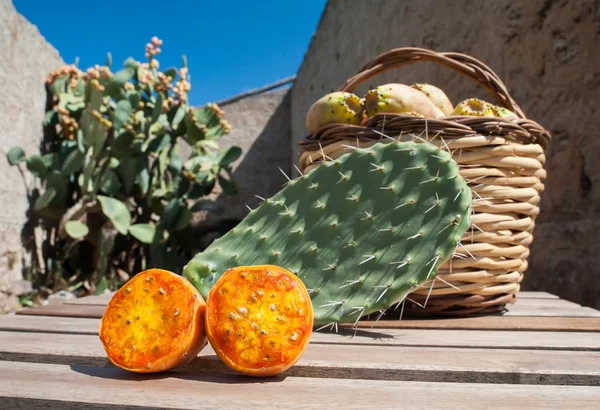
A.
x: 155, y: 322
x: 259, y: 319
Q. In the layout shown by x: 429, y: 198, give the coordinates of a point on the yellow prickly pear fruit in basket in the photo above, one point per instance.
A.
x: 474, y: 107
x: 480, y: 108
x: 399, y: 99
x: 335, y: 108
x: 502, y: 112
x: 436, y: 95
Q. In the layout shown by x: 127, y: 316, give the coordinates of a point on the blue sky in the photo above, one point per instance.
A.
x: 231, y: 46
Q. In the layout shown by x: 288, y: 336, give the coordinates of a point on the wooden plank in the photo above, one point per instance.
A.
x: 83, y: 311
x: 489, y: 322
x: 111, y: 386
x: 351, y: 361
x: 492, y: 322
x: 545, y: 303
x: 105, y: 298
x: 528, y: 310
x: 535, y: 295
x: 545, y: 307
x: 583, y: 341
x: 47, y: 324
x: 101, y: 300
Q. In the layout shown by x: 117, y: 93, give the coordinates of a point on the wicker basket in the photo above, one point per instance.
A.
x: 503, y: 163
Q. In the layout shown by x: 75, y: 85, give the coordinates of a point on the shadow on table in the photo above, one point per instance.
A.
x: 207, y: 368
x: 357, y: 333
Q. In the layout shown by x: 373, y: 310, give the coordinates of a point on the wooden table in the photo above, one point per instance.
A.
x: 544, y: 353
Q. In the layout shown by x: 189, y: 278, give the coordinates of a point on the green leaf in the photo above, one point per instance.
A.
x: 76, y: 229
x: 88, y: 169
x: 215, y: 132
x: 171, y: 213
x: 35, y: 164
x: 57, y: 181
x: 183, y: 186
x: 117, y: 212
x: 229, y: 155
x: 178, y: 118
x: 124, y: 75
x: 122, y: 144
x: 170, y: 72
x: 228, y: 186
x: 106, y: 241
x: 183, y: 219
x: 158, y: 108
x: 45, y: 199
x: 143, y: 232
x: 159, y: 193
x: 158, y: 143
x: 50, y: 160
x: 207, y: 205
x: 15, y: 155
x: 114, y: 88
x: 110, y: 183
x: 101, y: 286
x: 134, y: 98
x: 122, y: 113
x: 51, y: 117
x: 73, y: 162
x: 200, y: 190
x: 143, y: 180
x: 194, y: 133
x: 113, y: 163
x: 108, y: 60
x: 175, y: 164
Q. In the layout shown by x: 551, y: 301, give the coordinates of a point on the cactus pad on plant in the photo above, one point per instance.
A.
x: 360, y: 231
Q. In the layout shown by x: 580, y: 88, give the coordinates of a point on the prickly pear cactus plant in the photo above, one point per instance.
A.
x: 114, y: 190
x: 360, y: 231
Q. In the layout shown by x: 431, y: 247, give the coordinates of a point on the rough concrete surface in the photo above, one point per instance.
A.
x: 261, y: 128
x: 545, y: 51
x: 25, y: 60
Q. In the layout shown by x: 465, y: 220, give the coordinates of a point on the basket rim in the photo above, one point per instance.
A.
x: 519, y: 130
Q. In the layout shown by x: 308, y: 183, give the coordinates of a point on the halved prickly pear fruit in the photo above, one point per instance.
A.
x: 437, y: 96
x: 474, y: 107
x: 399, y: 99
x: 335, y: 108
x: 153, y: 323
x: 259, y: 319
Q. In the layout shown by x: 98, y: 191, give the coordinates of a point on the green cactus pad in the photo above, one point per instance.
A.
x: 359, y: 231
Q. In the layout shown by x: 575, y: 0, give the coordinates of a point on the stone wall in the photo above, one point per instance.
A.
x: 25, y: 60
x: 546, y: 52
x: 261, y: 128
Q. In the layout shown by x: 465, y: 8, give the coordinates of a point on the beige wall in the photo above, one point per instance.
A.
x: 261, y: 128
x: 546, y: 52
x: 25, y: 60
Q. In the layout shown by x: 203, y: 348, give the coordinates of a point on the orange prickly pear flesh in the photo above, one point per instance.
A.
x: 153, y: 323
x: 259, y: 319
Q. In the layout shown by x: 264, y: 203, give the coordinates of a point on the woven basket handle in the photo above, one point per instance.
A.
x: 468, y: 66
